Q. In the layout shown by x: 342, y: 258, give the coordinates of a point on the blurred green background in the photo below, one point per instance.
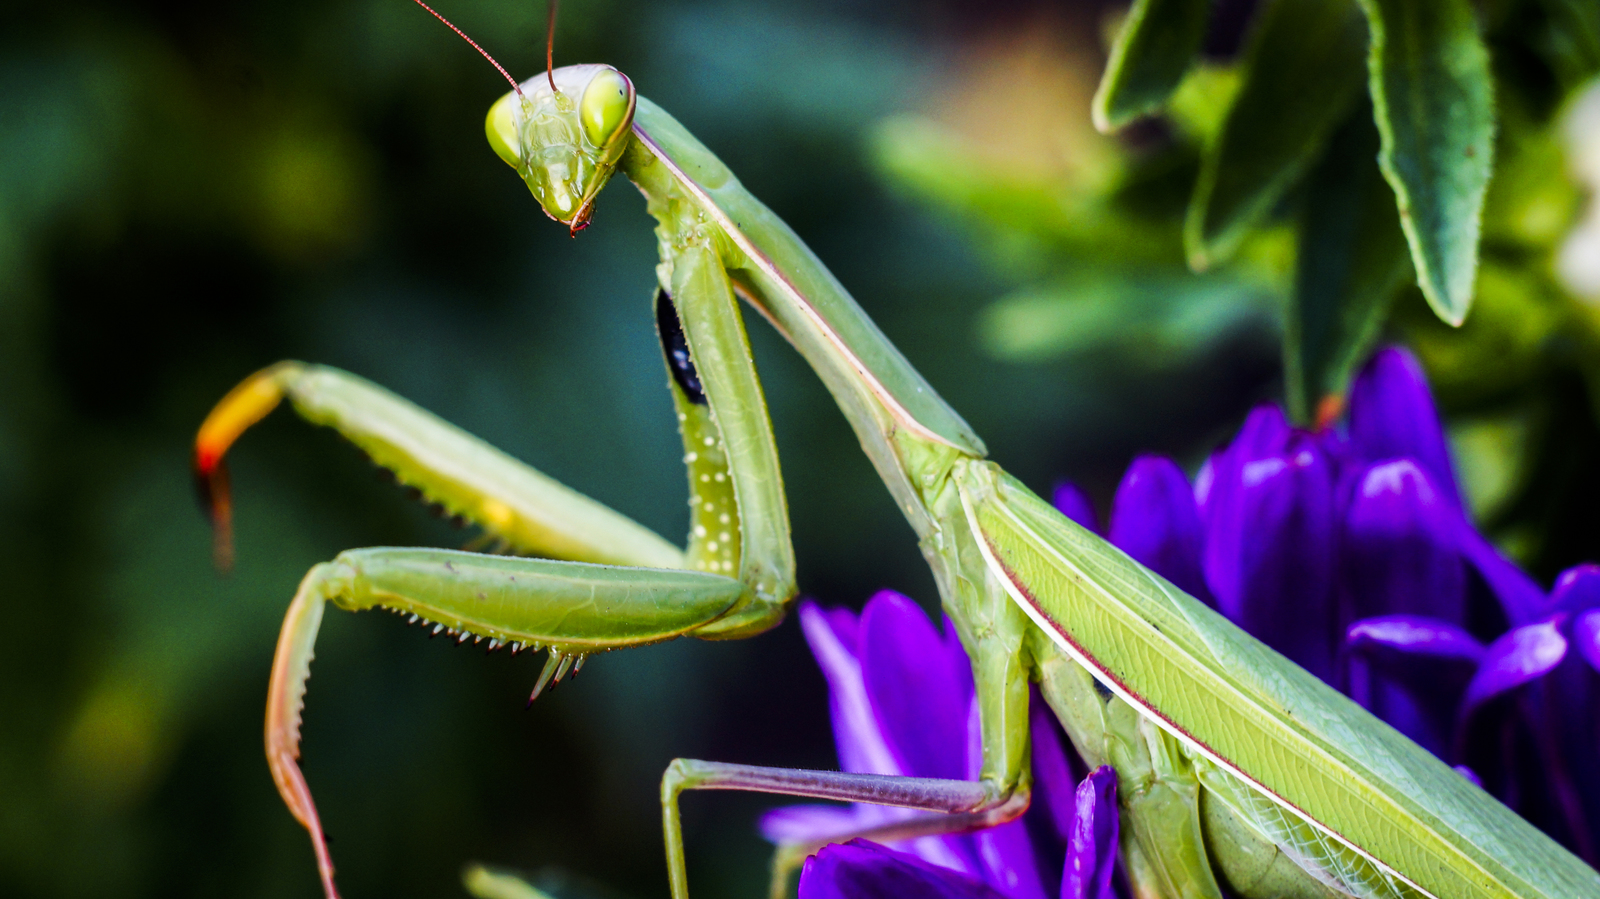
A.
x: 191, y: 191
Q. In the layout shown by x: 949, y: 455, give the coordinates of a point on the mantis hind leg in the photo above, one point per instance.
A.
x: 956, y: 806
x: 1190, y: 833
x: 1157, y: 789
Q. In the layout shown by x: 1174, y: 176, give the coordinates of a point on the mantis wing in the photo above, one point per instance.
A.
x: 1373, y: 810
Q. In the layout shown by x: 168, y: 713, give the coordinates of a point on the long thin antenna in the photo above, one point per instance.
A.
x: 492, y: 61
x: 550, y: 46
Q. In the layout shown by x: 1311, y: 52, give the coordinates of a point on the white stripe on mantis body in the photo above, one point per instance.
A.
x: 881, y: 393
x: 1066, y: 645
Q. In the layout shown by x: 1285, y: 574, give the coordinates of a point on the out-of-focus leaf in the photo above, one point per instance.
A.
x: 1352, y: 259
x: 1533, y: 199
x: 1032, y: 217
x: 1165, y: 318
x: 491, y: 883
x: 1201, y: 103
x: 1429, y: 75
x: 1303, y: 69
x: 1505, y: 345
x: 1153, y: 50
x: 1490, y: 455
x: 1572, y: 38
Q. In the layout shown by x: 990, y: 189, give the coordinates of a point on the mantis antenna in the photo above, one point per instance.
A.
x: 492, y: 61
x: 550, y: 45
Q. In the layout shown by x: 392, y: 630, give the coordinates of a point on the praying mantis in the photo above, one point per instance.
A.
x: 1239, y: 773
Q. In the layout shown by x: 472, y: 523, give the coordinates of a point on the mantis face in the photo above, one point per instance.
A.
x: 565, y: 143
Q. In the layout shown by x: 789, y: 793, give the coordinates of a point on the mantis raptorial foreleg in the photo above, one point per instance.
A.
x: 513, y: 503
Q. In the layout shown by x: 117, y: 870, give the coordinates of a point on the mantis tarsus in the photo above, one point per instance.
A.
x: 1239, y: 773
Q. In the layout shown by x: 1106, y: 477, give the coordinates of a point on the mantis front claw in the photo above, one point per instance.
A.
x: 244, y: 405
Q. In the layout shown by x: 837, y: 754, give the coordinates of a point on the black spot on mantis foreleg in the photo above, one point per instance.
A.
x: 675, y: 346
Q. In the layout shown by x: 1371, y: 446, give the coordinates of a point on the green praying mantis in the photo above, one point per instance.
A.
x: 1239, y: 773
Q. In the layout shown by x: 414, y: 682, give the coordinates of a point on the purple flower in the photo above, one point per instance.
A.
x: 902, y: 702
x: 861, y: 868
x: 1350, y: 552
x: 1529, y: 720
x: 1155, y: 520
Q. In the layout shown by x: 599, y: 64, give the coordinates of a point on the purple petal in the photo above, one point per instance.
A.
x: 1265, y: 432
x: 1337, y: 445
x: 1398, y: 555
x: 1072, y: 502
x: 1411, y: 672
x: 846, y: 628
x: 1204, y: 480
x: 807, y: 823
x: 863, y: 870
x: 1520, y: 598
x: 862, y: 749
x: 1006, y: 857
x: 1416, y: 637
x: 1155, y: 520
x: 1470, y: 775
x: 1577, y: 589
x: 1092, y: 850
x: 1520, y: 656
x: 921, y: 708
x: 1269, y: 554
x: 1586, y: 633
x: 1053, y: 787
x: 1392, y: 416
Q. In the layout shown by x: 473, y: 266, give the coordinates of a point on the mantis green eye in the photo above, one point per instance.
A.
x: 501, y: 127
x: 606, y: 107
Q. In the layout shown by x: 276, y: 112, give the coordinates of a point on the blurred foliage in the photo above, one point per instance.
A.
x: 1262, y: 169
x: 191, y: 191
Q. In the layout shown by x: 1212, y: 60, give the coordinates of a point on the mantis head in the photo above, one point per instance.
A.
x: 566, y: 142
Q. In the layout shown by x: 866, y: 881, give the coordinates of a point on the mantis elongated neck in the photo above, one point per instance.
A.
x: 909, y: 432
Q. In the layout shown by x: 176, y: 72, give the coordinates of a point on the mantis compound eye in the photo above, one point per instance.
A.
x: 607, y: 107
x: 501, y: 127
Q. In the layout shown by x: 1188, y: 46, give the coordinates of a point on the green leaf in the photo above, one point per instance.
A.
x: 1026, y: 217
x: 1352, y: 260
x: 1159, y: 317
x: 1432, y: 99
x: 1302, y: 70
x: 1151, y: 53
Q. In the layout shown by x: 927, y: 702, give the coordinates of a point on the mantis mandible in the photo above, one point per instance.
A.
x: 1239, y: 773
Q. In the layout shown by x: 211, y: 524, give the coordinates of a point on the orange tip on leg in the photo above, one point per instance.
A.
x: 244, y: 405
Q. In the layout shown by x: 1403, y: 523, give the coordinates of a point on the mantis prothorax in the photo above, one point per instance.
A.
x: 1239, y: 773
